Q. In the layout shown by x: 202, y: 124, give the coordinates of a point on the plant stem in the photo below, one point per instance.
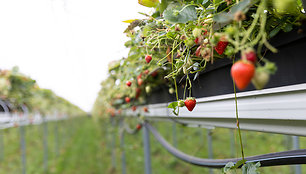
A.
x: 176, y: 93
x: 237, y: 119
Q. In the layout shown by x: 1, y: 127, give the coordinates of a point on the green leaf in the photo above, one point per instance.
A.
x: 173, y: 105
x: 148, y: 3
x: 228, y: 167
x: 175, y: 14
x: 206, y: 3
x: 288, y: 27
x: 242, y: 6
x: 171, y: 34
x: 223, y: 17
x: 251, y: 168
x: 163, y: 5
x: 274, y: 31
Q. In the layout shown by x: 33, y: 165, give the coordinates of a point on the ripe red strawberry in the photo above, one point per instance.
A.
x: 128, y: 83
x: 138, y: 90
x: 139, y: 76
x: 154, y: 74
x: 139, y: 81
x: 196, y: 41
x: 145, y: 109
x: 127, y: 99
x: 220, y: 47
x: 242, y: 72
x: 134, y: 108
x: 190, y: 103
x: 146, y: 71
x: 250, y: 55
x: 138, y: 126
x: 148, y: 58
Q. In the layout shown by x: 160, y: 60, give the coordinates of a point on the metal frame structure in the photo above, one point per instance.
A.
x: 276, y: 110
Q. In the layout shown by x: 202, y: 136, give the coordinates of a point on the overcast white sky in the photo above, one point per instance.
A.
x: 65, y: 44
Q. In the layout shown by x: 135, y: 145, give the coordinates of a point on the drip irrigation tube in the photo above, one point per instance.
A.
x: 271, y: 159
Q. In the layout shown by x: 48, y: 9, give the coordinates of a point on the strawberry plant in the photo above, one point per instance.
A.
x: 184, y: 37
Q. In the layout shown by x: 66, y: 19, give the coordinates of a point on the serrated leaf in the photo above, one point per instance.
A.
x: 148, y: 3
x: 175, y: 14
x: 228, y: 167
x: 250, y: 168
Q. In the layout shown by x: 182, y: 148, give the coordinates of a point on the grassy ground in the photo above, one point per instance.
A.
x: 77, y: 142
x: 85, y: 147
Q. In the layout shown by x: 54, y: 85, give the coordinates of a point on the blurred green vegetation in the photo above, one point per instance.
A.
x: 85, y: 146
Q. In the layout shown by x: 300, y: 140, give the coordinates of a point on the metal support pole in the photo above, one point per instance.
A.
x: 56, y: 138
x: 210, y: 150
x: 23, y: 149
x: 202, y: 136
x: 174, y: 134
x: 45, y: 144
x: 146, y: 146
x: 296, y: 145
x: 1, y: 145
x: 123, y: 161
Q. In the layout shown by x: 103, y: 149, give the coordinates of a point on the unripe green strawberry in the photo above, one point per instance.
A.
x: 181, y: 103
x: 148, y: 89
x: 230, y: 30
x: 196, y: 32
x: 261, y: 78
x: 189, y: 42
x: 285, y: 6
x: 171, y: 90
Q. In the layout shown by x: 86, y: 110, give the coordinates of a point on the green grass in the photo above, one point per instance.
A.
x: 86, y: 145
x: 77, y: 142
